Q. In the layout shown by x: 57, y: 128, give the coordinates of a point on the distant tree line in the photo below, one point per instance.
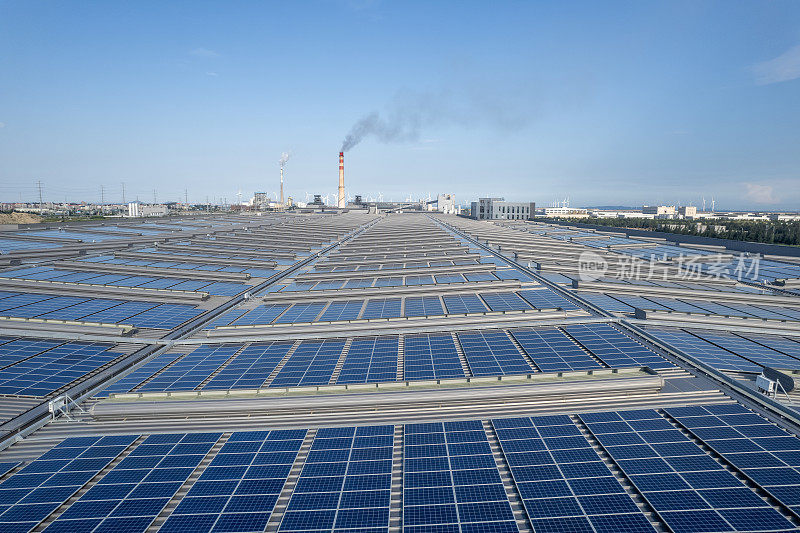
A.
x: 766, y: 231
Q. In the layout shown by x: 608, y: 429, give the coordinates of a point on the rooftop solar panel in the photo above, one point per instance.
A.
x: 431, y: 356
x: 491, y: 353
x: 552, y: 351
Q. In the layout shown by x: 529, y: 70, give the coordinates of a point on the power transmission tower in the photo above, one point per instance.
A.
x: 102, y: 196
x: 123, y: 192
x: 155, y: 201
x: 41, y: 203
x: 186, y: 196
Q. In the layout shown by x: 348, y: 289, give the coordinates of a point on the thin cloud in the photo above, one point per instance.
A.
x: 2, y: 125
x: 785, y: 67
x: 760, y: 194
x: 212, y: 74
x: 204, y: 52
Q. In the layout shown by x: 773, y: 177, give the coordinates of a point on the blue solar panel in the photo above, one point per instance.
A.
x: 302, y: 312
x: 312, y: 363
x: 491, y: 353
x: 606, y: 303
x: 547, y: 299
x: 251, y: 368
x: 131, y: 380
x: 140, y: 486
x: 764, y: 452
x: 504, y: 301
x: 464, y: 303
x: 450, y: 477
x: 192, y: 369
x: 239, y: 488
x: 756, y: 353
x: 37, y: 490
x: 676, y: 476
x: 48, y: 371
x: 382, y: 308
x: 552, y: 351
x: 563, y: 482
x: 345, y: 482
x: 614, y: 347
x: 431, y: 356
x: 706, y: 352
x: 263, y: 314
x: 370, y: 360
x: 423, y: 306
x: 346, y: 310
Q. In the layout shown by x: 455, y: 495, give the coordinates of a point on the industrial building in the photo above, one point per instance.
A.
x: 421, y: 372
x: 499, y: 209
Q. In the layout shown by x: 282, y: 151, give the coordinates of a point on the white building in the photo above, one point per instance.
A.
x: 447, y: 203
x: 135, y: 209
x: 571, y: 212
x: 499, y: 209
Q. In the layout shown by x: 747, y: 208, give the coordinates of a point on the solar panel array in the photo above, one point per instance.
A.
x: 345, y: 483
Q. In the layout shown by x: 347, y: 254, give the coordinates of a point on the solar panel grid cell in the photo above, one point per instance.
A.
x: 382, y: 308
x: 346, y: 310
x: 676, y: 476
x: 547, y: 299
x: 552, y: 351
x: 312, y: 363
x: 491, y: 353
x: 423, y: 306
x: 614, y: 347
x: 504, y: 301
x: 192, y: 369
x: 704, y: 351
x: 764, y: 452
x: 451, y: 479
x: 44, y: 484
x: 251, y: 368
x: 464, y: 303
x: 345, y: 482
x: 370, y: 360
x: 431, y: 356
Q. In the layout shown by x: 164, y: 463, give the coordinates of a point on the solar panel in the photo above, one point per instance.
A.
x: 676, y: 476
x: 547, y: 299
x: 345, y: 482
x: 370, y: 360
x: 423, y: 306
x: 758, y: 354
x: 614, y: 347
x: 302, y: 312
x: 504, y: 301
x: 132, y: 494
x: 312, y: 363
x: 239, y: 488
x: 552, y: 351
x: 48, y: 371
x: 463, y: 303
x: 562, y: 481
x: 764, y: 452
x: 606, y: 303
x: 131, y: 380
x: 39, y: 488
x: 263, y: 314
x: 491, y: 353
x: 192, y: 369
x: 251, y: 368
x: 706, y: 352
x: 382, y: 308
x: 345, y: 310
x: 431, y: 356
x: 450, y: 478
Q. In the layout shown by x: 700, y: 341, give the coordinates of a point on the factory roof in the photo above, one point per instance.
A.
x: 363, y: 372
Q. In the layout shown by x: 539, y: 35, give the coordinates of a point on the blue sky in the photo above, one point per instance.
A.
x: 602, y: 102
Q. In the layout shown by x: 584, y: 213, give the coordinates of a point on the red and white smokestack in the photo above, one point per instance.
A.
x: 341, y: 202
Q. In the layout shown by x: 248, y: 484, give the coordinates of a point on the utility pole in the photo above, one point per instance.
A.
x: 41, y: 203
x: 123, y: 192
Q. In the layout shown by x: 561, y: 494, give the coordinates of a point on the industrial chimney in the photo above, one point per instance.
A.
x: 341, y: 203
